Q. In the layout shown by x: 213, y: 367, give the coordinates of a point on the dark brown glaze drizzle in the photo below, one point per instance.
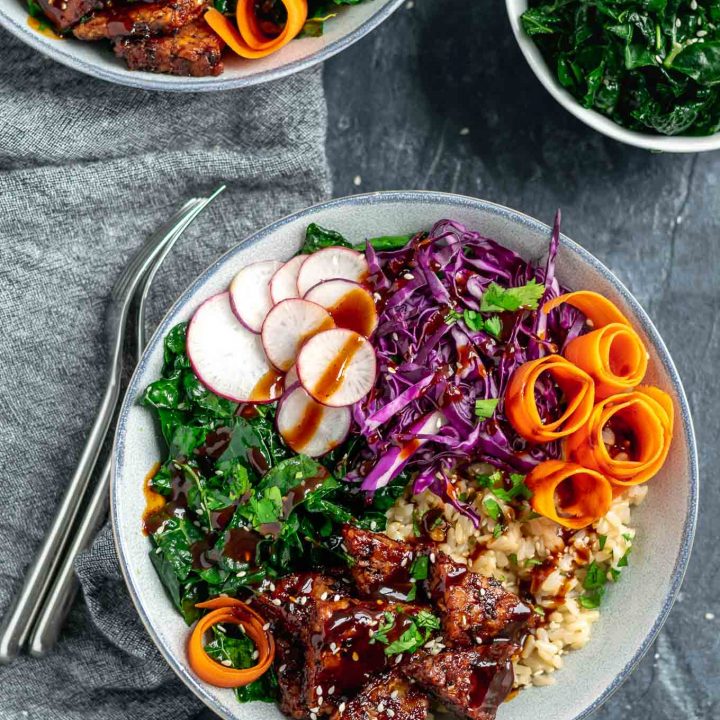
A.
x: 355, y: 311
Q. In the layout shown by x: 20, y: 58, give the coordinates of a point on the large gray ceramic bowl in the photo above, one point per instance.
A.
x: 98, y: 60
x: 635, y: 608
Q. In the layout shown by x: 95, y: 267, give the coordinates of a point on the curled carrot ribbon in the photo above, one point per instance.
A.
x: 571, y: 495
x: 612, y: 354
x: 247, y: 39
x: 521, y: 404
x: 627, y: 437
x: 229, y: 610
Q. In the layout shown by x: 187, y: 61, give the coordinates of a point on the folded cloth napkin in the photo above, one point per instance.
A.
x: 87, y: 171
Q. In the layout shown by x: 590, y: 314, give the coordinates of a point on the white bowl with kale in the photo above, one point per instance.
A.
x: 644, y: 77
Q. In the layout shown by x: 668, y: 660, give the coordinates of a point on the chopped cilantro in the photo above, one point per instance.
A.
x: 497, y: 531
x: 512, y: 557
x: 485, y: 409
x: 526, y: 297
x: 417, y: 633
x: 591, y: 600
x: 518, y: 489
x: 452, y: 316
x: 492, y: 509
x: 493, y: 326
x: 596, y: 577
x: 381, y: 634
x: 602, y: 539
x: 530, y: 562
x: 420, y: 568
x: 623, y: 561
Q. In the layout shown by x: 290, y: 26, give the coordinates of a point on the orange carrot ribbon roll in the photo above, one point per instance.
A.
x: 229, y: 610
x: 627, y: 437
x: 521, y: 404
x: 595, y: 307
x: 248, y: 39
x: 612, y: 354
x: 569, y: 494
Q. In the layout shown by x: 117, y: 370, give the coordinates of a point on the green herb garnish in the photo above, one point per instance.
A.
x: 485, y: 409
x: 526, y: 297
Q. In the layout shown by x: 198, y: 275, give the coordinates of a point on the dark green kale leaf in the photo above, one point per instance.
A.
x: 238, y: 652
x: 317, y: 238
x: 649, y: 65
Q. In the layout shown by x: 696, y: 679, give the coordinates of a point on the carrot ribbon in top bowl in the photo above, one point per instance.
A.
x: 627, y: 437
x: 521, y: 403
x: 568, y: 494
x: 247, y: 39
x: 229, y: 610
x: 612, y: 354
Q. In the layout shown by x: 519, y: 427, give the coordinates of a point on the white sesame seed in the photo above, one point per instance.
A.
x: 336, y: 598
x: 377, y: 297
x: 701, y: 33
x: 255, y: 655
x: 390, y: 712
x: 242, y: 629
x: 709, y: 616
x: 432, y: 557
x: 242, y: 573
x: 381, y: 706
x: 272, y: 587
x: 313, y: 716
x: 324, y: 596
x: 409, y: 276
x: 478, y: 640
x: 395, y: 337
x: 276, y: 602
x: 464, y: 131
x: 678, y: 22
x: 282, y: 668
x: 318, y: 690
x: 266, y: 626
x: 357, y: 180
x: 404, y: 562
x: 409, y: 5
x: 158, y: 550
x: 693, y: 5
x: 341, y: 707
x: 226, y: 663
x: 331, y: 690
x: 391, y: 370
x: 398, y: 659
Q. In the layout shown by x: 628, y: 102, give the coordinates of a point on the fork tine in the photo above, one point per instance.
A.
x: 141, y: 337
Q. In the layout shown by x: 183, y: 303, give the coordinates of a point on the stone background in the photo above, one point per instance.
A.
x: 441, y: 98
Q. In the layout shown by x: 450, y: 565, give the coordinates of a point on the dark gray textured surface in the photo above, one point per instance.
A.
x: 441, y: 98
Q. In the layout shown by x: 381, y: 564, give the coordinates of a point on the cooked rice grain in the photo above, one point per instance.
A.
x: 512, y: 556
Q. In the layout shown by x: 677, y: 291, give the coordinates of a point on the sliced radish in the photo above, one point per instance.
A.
x: 250, y: 293
x: 291, y: 378
x: 288, y: 325
x: 331, y: 263
x: 283, y: 284
x: 337, y: 367
x: 309, y: 427
x: 227, y: 358
x: 352, y: 307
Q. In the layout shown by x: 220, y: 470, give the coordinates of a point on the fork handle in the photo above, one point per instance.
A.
x: 17, y: 621
x: 59, y: 599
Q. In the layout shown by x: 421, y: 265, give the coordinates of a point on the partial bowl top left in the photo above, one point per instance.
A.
x: 351, y: 24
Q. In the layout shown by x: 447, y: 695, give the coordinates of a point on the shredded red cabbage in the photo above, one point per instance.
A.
x: 420, y: 416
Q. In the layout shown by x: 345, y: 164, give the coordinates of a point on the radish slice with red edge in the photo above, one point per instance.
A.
x: 331, y: 263
x: 227, y: 358
x: 307, y: 426
x: 337, y: 367
x: 283, y: 284
x: 288, y: 325
x: 352, y: 307
x: 291, y: 378
x: 250, y: 293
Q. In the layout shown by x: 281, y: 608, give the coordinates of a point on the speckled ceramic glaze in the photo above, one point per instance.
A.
x: 98, y: 60
x: 597, y: 121
x: 635, y: 608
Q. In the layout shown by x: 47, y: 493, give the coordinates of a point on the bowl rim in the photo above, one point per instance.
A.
x: 172, y: 83
x: 426, y: 197
x: 597, y: 121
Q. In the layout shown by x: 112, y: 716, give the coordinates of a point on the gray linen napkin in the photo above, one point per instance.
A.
x: 87, y: 171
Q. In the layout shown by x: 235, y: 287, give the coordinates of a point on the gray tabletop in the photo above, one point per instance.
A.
x: 441, y: 98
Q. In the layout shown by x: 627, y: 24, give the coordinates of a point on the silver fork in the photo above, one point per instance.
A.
x: 19, y: 619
